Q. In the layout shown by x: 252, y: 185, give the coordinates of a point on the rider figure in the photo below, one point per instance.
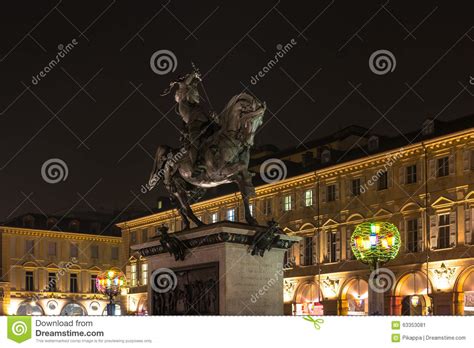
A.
x: 193, y: 115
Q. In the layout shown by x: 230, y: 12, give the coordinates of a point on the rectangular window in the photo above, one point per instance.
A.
x: 412, y: 235
x: 73, y: 283
x: 133, y: 274
x: 214, y: 217
x: 74, y: 250
x: 133, y: 237
x: 144, y: 274
x: 144, y: 236
x: 308, y: 198
x: 52, y: 249
x: 443, y: 166
x: 443, y: 231
x: 52, y: 282
x: 93, y: 284
x: 330, y: 193
x: 287, y: 203
x: 94, y: 251
x: 308, y: 251
x: 30, y: 247
x: 382, y: 182
x: 355, y: 188
x: 231, y: 214
x: 29, y: 281
x: 411, y: 174
x: 331, y: 251
x: 115, y: 253
x: 267, y: 206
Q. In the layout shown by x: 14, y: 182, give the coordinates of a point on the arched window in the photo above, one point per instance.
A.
x: 29, y: 221
x: 74, y: 225
x: 373, y: 143
x: 326, y: 156
x: 29, y: 308
x: 51, y: 223
x: 73, y: 309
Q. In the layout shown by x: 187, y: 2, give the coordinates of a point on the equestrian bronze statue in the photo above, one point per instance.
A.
x: 215, y: 148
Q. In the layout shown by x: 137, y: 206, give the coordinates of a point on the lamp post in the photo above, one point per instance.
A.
x: 375, y: 243
x: 110, y: 283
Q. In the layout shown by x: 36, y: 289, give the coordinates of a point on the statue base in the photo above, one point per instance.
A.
x: 218, y: 275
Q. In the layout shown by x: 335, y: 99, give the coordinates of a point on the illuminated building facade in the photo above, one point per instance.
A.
x: 49, y: 265
x: 422, y: 182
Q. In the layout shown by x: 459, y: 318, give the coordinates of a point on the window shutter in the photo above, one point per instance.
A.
x: 420, y: 234
x: 452, y: 165
x: 403, y: 233
x: 338, y: 245
x: 337, y: 190
x: 348, y: 243
x: 419, y: 172
x: 468, y: 225
x: 434, y: 231
x: 348, y: 188
x: 389, y: 178
x: 280, y: 204
x: 297, y: 252
x: 323, y: 193
x: 315, y: 248
x: 293, y: 201
x: 128, y: 272
x: 328, y: 245
x: 466, y: 159
x: 431, y: 169
x: 452, y: 228
x: 401, y: 175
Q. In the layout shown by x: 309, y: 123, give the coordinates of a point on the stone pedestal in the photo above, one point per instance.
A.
x: 218, y: 274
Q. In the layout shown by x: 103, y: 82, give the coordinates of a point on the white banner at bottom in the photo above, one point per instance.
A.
x: 252, y: 331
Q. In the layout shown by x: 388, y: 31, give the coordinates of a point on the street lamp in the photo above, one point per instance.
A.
x: 110, y: 283
x: 375, y: 243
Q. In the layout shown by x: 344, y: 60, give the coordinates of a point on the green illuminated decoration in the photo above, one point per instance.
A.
x: 375, y: 243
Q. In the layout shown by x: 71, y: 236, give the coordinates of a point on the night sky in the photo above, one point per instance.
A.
x: 100, y: 110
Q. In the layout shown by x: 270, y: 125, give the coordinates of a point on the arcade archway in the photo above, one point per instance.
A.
x: 308, y: 299
x: 354, y: 297
x: 411, y: 295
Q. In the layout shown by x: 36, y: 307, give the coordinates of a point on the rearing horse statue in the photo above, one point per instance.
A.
x: 216, y: 148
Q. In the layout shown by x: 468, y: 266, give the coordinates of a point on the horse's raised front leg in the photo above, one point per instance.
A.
x: 244, y: 180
